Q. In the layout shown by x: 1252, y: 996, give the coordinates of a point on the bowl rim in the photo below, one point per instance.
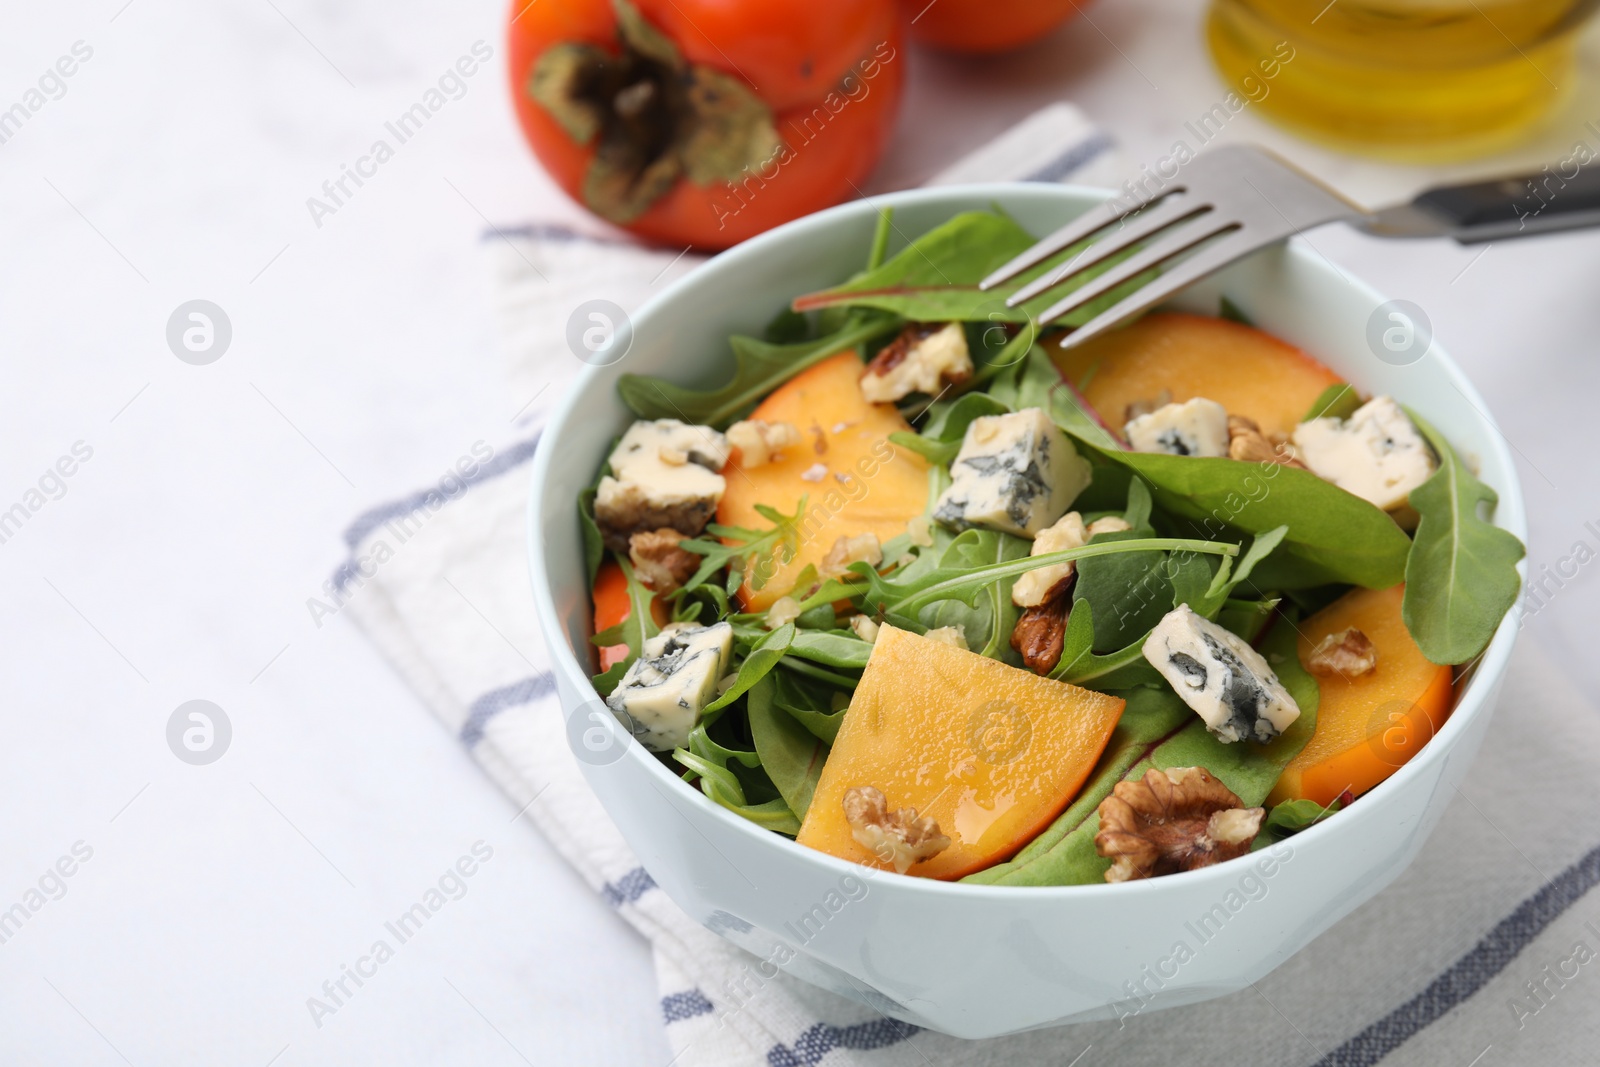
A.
x: 1491, y: 664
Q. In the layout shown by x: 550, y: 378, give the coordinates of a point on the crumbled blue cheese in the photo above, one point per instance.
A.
x: 1197, y: 427
x: 936, y: 357
x: 672, y: 680
x: 1377, y: 453
x: 1220, y: 676
x: 1015, y: 472
x: 663, y: 475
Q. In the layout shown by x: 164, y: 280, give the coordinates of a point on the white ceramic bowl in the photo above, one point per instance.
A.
x: 979, y: 961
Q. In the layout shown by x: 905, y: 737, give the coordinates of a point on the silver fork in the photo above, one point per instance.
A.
x: 1231, y: 201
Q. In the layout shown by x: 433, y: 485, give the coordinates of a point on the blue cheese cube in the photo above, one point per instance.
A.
x: 670, y: 683
x: 1197, y: 427
x: 663, y: 475
x: 1377, y: 453
x: 1015, y: 472
x: 1221, y: 677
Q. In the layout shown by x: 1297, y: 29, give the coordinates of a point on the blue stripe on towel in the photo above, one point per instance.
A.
x: 494, y: 702
x: 822, y: 1039
x: 371, y: 519
x: 681, y: 1006
x: 1070, y: 160
x: 629, y: 888
x: 1473, y: 971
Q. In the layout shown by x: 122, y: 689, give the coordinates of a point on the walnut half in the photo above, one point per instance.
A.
x: 661, y: 564
x: 1349, y: 652
x: 1174, y: 820
x: 1246, y: 442
x: 896, y: 837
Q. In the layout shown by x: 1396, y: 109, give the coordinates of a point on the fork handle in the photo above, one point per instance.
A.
x: 1548, y: 201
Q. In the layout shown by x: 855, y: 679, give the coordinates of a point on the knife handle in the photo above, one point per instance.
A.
x: 1563, y: 196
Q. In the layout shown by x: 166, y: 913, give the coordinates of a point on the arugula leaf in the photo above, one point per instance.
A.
x: 759, y: 368
x: 1338, y: 401
x: 749, y: 548
x: 1163, y: 733
x: 832, y: 648
x: 790, y: 755
x: 634, y: 631
x: 935, y: 278
x: 1125, y: 668
x: 594, y: 545
x: 723, y: 787
x: 956, y: 578
x: 880, y: 239
x: 787, y: 327
x: 1461, y: 576
x: 756, y: 666
x: 1333, y: 536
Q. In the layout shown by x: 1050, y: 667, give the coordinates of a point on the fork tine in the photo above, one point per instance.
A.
x: 1128, y: 232
x: 1181, y: 240
x: 1090, y: 222
x: 1189, y: 271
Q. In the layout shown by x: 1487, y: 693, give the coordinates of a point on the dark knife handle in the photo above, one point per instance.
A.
x: 1563, y: 196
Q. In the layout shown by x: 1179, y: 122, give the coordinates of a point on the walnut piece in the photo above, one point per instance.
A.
x: 785, y: 609
x: 661, y: 564
x: 864, y: 628
x: 896, y: 837
x: 1349, y: 653
x: 759, y: 442
x: 848, y: 550
x: 1041, y: 631
x: 1246, y: 442
x: 954, y: 636
x: 919, y: 360
x: 1175, y: 820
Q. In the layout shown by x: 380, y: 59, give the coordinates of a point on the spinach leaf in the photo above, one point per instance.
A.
x: 763, y: 657
x: 787, y: 327
x: 1335, y: 402
x: 940, y: 439
x: 1130, y: 592
x: 1461, y: 576
x: 790, y: 755
x: 1333, y: 536
x: 1164, y: 734
x: 880, y: 239
x: 1034, y: 382
x: 935, y: 278
x: 634, y: 631
x: 1125, y: 668
x: 819, y: 708
x: 759, y: 368
x: 1290, y: 817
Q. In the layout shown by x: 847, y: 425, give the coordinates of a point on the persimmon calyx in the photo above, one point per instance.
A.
x: 652, y: 116
x: 1175, y: 820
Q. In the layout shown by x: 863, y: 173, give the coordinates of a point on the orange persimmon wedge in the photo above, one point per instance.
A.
x: 1367, y: 726
x: 853, y: 479
x: 993, y: 753
x: 611, y: 607
x: 1246, y: 371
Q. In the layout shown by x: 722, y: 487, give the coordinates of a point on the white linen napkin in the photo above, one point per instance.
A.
x: 1487, y: 950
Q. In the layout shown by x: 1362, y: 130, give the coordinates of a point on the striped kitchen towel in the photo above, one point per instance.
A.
x: 1483, y: 953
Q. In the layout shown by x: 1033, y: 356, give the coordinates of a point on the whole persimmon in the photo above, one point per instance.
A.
x: 983, y: 26
x: 704, y: 122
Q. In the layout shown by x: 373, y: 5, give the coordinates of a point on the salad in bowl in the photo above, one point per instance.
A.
x: 987, y: 663
x: 925, y: 591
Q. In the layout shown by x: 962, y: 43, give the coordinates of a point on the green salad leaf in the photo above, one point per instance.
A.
x: 1158, y: 731
x: 1333, y: 536
x: 1290, y: 817
x: 633, y: 631
x: 1461, y: 576
x: 759, y: 368
x: 790, y: 754
x: 763, y: 657
x: 1337, y: 401
x: 935, y: 278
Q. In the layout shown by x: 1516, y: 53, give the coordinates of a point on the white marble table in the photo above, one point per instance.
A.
x: 174, y: 563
